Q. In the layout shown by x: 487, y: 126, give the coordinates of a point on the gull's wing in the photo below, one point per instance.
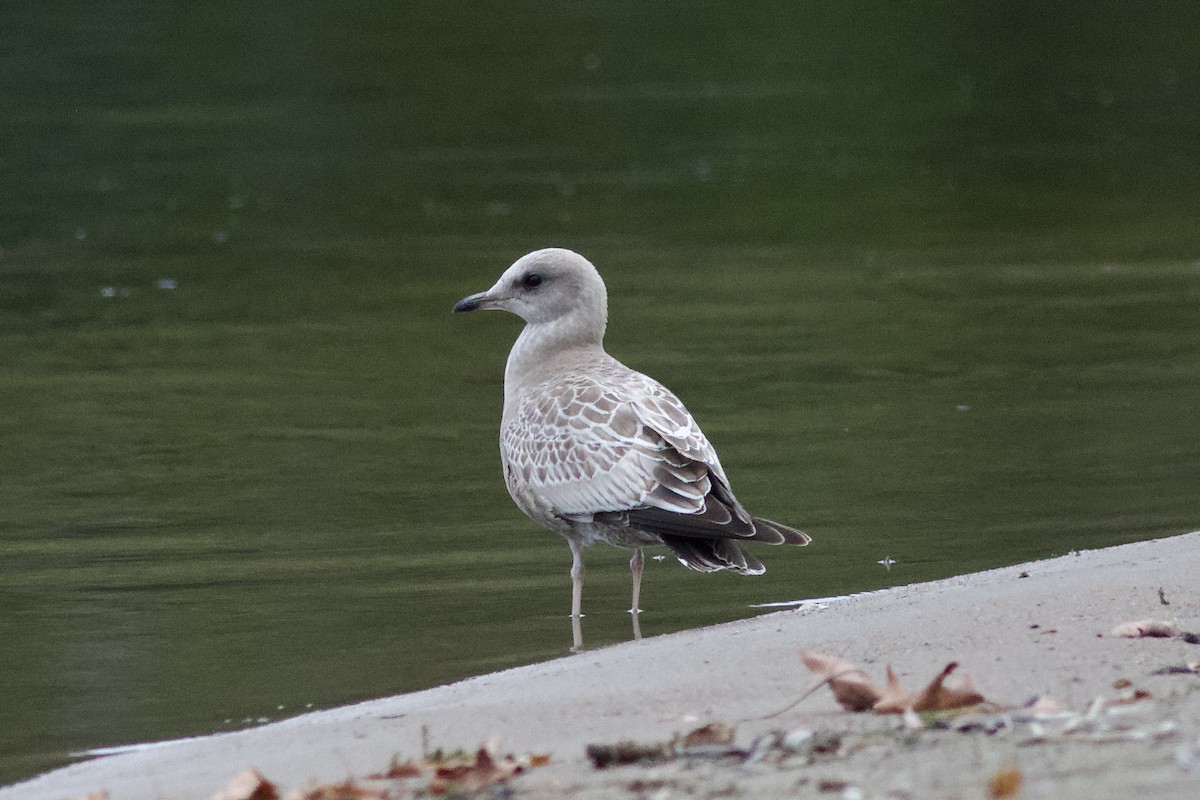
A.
x: 624, y: 447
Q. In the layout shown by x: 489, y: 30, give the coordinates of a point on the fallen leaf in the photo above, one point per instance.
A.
x: 940, y: 695
x: 851, y: 687
x: 854, y: 691
x: 402, y: 769
x: 1005, y: 783
x: 248, y: 785
x: 1146, y: 627
x: 894, y: 699
x: 449, y: 773
x: 100, y: 795
x: 346, y: 790
x: 714, y: 733
x: 486, y: 771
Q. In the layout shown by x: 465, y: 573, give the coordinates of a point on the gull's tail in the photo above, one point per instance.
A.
x: 712, y: 555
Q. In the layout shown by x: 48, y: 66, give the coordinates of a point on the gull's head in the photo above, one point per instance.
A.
x: 546, y: 286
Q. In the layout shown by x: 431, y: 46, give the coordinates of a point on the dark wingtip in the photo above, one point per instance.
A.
x: 771, y: 532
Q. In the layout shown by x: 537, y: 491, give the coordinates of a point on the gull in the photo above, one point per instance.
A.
x: 599, y: 452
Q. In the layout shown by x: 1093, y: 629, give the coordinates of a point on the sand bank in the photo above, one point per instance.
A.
x: 1041, y: 628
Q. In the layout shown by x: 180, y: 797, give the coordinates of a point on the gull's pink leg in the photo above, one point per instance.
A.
x: 576, y: 595
x: 576, y: 578
x: 635, y: 568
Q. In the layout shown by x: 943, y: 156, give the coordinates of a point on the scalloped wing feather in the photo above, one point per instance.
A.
x: 586, y: 446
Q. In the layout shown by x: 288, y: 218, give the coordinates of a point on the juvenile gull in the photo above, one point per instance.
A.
x: 601, y: 453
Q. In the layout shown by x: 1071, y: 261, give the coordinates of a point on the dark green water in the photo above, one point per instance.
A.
x: 929, y: 281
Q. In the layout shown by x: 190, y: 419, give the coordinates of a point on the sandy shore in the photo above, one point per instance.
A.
x: 1035, y: 629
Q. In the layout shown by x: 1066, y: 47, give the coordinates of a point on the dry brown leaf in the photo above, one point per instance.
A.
x: 249, y: 785
x: 1146, y: 627
x: 939, y: 695
x: 100, y: 795
x: 402, y: 769
x: 851, y: 687
x: 451, y: 773
x: 894, y: 699
x: 1005, y: 783
x: 855, y: 692
x: 346, y: 790
x: 714, y: 733
x: 472, y: 777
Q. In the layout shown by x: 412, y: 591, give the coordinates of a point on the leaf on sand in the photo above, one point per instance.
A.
x: 854, y: 691
x: 1146, y: 627
x: 466, y: 778
x: 248, y: 785
x: 894, y: 699
x: 346, y: 790
x: 940, y: 695
x: 1005, y: 782
x: 714, y: 733
x: 851, y: 687
x: 402, y: 769
x: 458, y: 773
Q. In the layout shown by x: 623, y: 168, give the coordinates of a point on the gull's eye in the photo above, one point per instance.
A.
x: 532, y: 280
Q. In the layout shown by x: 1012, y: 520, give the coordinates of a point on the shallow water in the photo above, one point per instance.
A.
x: 932, y: 295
